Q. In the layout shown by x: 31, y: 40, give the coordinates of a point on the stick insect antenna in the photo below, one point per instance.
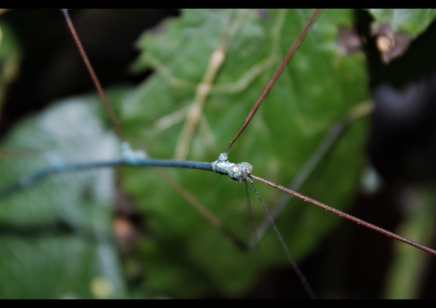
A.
x: 276, y: 75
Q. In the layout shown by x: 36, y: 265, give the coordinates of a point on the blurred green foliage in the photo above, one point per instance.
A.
x: 182, y: 254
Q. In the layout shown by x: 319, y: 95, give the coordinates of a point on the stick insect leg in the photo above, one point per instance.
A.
x: 294, y: 264
x: 265, y: 278
x: 323, y: 147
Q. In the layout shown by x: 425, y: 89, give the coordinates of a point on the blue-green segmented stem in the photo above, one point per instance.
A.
x: 238, y: 172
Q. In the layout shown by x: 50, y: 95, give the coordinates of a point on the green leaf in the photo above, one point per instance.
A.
x: 396, y: 28
x: 410, y: 267
x: 56, y: 236
x: 413, y: 21
x: 185, y: 256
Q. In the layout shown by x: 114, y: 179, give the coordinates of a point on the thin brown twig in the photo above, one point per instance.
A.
x: 345, y: 215
x: 276, y: 75
x: 92, y: 73
x: 185, y: 194
x: 202, y: 209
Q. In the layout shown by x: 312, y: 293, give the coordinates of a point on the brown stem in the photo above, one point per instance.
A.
x: 92, y: 73
x: 276, y: 75
x: 209, y: 216
x: 345, y: 215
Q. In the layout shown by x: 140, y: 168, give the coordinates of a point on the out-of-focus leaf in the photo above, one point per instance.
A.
x: 410, y: 266
x: 413, y: 21
x: 56, y: 236
x: 185, y: 256
x: 396, y: 28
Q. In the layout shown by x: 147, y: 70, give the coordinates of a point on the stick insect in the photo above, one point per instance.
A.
x: 170, y: 130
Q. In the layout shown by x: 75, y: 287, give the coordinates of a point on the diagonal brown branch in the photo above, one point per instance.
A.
x: 276, y: 75
x: 344, y: 215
